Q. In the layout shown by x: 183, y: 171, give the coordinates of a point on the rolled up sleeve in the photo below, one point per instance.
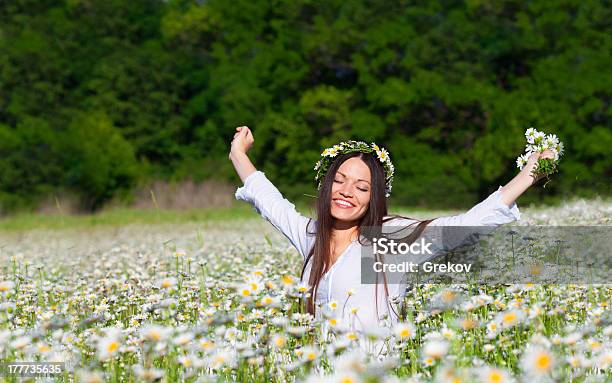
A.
x: 490, y: 212
x: 480, y: 220
x: 271, y: 205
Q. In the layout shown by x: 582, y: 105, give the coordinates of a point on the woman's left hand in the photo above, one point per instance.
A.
x: 533, y: 160
x: 522, y: 181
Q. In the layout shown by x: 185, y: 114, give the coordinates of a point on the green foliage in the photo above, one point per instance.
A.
x: 546, y: 167
x: 29, y: 164
x: 98, y: 160
x: 95, y: 95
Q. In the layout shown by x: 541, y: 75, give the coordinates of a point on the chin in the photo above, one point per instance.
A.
x: 342, y: 215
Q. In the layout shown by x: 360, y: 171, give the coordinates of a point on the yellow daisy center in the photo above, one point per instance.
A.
x: 112, y: 346
x: 495, y: 377
x: 543, y: 362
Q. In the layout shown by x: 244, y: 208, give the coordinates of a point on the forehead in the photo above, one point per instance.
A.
x: 355, y: 168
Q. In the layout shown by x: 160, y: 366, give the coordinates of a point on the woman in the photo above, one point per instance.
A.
x: 354, y: 180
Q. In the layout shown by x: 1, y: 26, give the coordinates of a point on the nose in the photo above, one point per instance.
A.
x: 345, y: 191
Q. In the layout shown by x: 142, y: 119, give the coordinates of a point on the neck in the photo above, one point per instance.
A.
x: 345, y: 230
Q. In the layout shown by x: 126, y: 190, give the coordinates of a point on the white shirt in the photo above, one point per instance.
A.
x: 345, y: 274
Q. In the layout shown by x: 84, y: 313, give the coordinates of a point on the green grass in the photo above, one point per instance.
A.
x: 128, y: 216
x: 122, y: 217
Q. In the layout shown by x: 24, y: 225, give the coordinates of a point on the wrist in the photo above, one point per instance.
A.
x: 527, y: 176
x: 530, y: 166
x: 237, y: 153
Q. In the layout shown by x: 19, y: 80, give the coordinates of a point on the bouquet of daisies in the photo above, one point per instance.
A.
x: 539, y: 142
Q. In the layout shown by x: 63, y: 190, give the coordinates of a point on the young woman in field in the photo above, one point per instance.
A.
x: 354, y: 181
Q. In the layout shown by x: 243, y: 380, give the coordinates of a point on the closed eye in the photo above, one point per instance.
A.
x: 361, y: 189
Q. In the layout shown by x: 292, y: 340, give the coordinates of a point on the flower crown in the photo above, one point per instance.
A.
x: 352, y: 147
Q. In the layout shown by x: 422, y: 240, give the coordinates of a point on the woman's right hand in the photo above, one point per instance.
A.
x: 243, y: 140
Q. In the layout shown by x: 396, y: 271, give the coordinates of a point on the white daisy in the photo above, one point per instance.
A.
x: 493, y: 375
x: 530, y: 135
x: 404, y: 331
x: 108, y: 347
x: 6, y: 286
x: 521, y: 161
x: 155, y: 333
x: 537, y: 361
x: 435, y: 349
x: 382, y: 154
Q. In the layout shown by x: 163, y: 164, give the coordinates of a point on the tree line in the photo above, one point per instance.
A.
x: 97, y: 96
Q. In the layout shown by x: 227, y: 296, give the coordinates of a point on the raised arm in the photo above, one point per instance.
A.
x: 497, y: 209
x: 242, y: 142
x: 522, y: 181
x: 265, y: 197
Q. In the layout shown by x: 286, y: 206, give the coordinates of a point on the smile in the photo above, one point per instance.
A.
x: 343, y: 204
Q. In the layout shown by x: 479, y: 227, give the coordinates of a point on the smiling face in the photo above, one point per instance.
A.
x: 351, y: 190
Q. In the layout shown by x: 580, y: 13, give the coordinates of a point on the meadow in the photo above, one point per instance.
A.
x: 215, y: 296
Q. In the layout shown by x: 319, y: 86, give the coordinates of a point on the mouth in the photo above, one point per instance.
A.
x: 343, y: 204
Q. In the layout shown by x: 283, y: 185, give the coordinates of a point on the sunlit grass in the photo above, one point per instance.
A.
x: 121, y: 217
x: 128, y: 216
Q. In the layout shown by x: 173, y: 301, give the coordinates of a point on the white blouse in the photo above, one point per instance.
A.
x: 357, y: 311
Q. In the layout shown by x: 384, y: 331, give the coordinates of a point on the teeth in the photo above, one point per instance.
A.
x: 343, y: 203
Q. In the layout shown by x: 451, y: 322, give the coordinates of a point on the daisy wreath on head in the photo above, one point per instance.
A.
x: 354, y: 147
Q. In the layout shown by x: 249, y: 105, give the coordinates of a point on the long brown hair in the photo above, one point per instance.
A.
x: 320, y: 254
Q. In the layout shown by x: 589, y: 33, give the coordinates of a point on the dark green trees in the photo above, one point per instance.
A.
x: 96, y: 95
